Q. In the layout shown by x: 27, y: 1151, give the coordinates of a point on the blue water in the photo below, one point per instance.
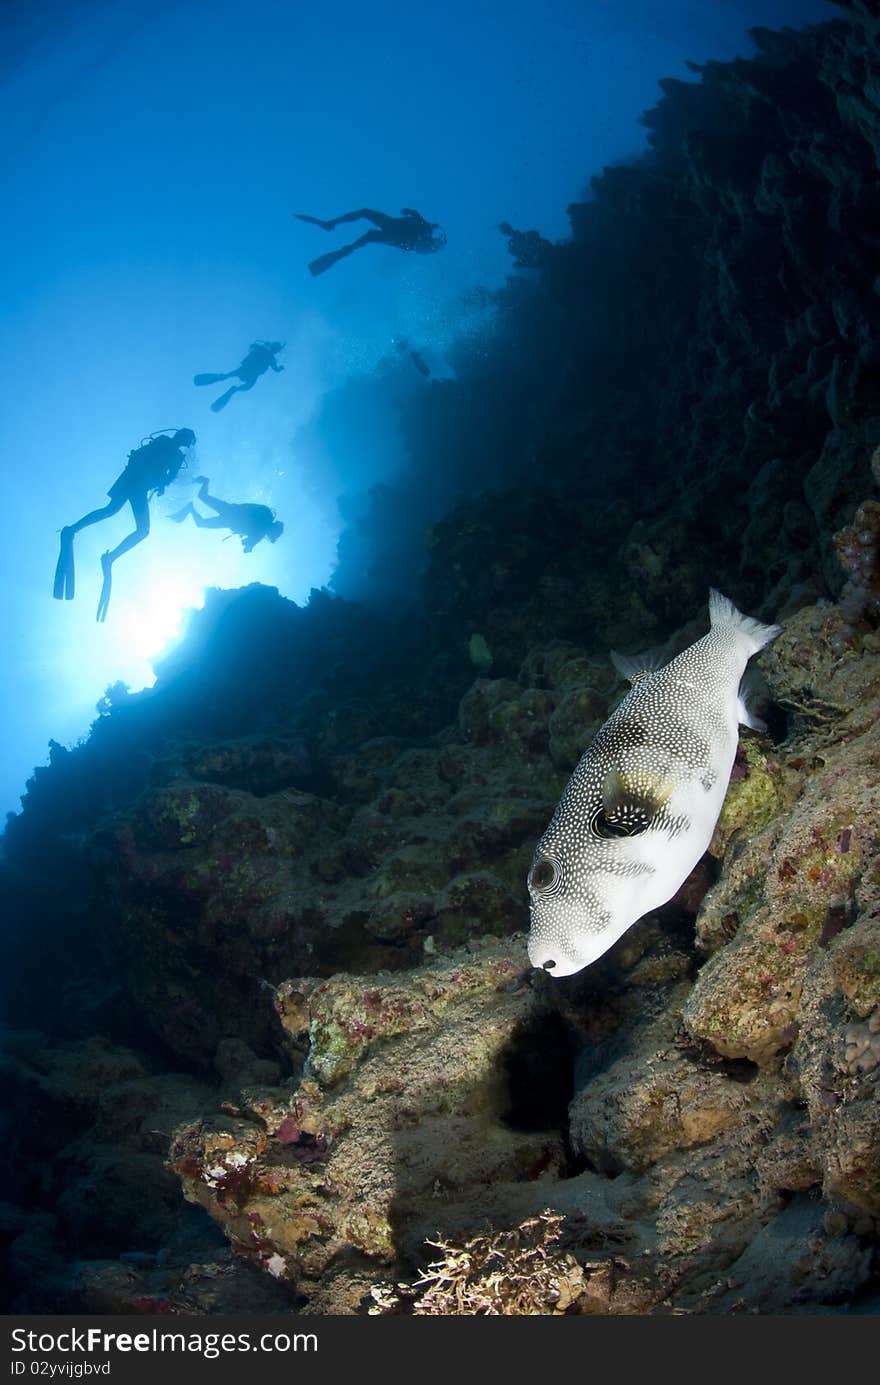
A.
x: 152, y: 157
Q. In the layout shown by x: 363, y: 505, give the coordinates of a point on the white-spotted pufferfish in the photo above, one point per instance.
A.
x: 641, y: 806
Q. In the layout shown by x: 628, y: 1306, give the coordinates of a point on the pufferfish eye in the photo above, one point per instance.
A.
x: 629, y: 826
x: 544, y: 875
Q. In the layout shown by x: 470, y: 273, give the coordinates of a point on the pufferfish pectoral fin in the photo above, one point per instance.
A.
x: 630, y: 804
x: 745, y: 715
x: 633, y: 667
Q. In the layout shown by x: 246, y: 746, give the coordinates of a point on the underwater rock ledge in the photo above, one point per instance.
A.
x: 711, y: 1085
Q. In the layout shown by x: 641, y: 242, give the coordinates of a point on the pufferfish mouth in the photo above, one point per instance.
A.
x: 562, y: 946
x: 556, y: 966
x: 559, y: 963
x: 549, y: 953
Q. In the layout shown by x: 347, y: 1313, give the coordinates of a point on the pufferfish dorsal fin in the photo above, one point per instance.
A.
x: 636, y: 666
x: 629, y: 804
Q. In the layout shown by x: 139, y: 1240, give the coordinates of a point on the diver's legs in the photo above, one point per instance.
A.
x: 314, y: 221
x: 379, y: 219
x: 106, y: 587
x: 223, y: 399
x: 65, y: 575
x: 140, y: 508
x: 65, y: 579
x: 95, y: 516
x: 249, y: 382
x: 324, y: 262
x: 203, y: 521
x: 225, y: 511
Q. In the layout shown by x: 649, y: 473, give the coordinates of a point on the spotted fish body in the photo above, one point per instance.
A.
x: 641, y: 806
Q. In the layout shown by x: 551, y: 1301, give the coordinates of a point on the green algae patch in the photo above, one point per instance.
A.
x: 480, y: 655
x: 831, y: 860
x: 178, y: 817
x: 852, y: 1167
x: 746, y: 998
x: 345, y: 1016
x: 855, y: 960
x: 401, y: 1096
x: 754, y: 797
x: 370, y: 1232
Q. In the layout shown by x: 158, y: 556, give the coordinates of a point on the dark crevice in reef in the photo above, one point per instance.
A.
x: 702, y: 1055
x: 538, y: 1071
x: 778, y: 722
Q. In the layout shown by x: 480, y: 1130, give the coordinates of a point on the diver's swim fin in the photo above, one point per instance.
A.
x: 104, y: 598
x: 323, y: 262
x: 211, y: 379
x: 180, y: 515
x: 315, y: 221
x: 223, y: 400
x: 65, y: 578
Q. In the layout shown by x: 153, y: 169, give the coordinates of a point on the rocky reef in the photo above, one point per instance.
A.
x: 272, y: 1040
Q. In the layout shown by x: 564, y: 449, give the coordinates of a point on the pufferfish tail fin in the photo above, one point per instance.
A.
x: 750, y: 634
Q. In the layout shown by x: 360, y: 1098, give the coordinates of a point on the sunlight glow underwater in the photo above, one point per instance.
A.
x: 150, y: 237
x: 154, y: 586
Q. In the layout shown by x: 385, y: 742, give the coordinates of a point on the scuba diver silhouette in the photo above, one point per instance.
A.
x: 250, y: 522
x: 409, y: 231
x: 260, y: 358
x: 149, y: 469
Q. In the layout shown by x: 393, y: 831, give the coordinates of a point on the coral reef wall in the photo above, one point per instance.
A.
x: 686, y: 386
x: 270, y: 1027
